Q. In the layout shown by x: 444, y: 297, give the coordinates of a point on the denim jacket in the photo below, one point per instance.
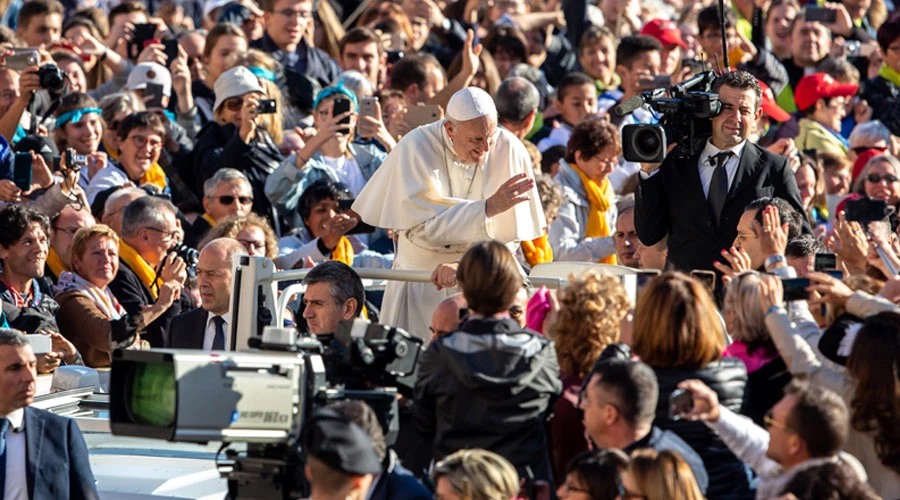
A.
x: 285, y: 185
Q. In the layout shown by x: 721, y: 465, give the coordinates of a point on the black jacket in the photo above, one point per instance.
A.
x: 884, y: 98
x: 728, y: 477
x: 672, y: 203
x: 396, y: 482
x: 479, y: 390
x: 188, y: 329
x: 219, y: 146
x: 133, y: 296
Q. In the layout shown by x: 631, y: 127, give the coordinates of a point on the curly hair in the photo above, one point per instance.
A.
x: 590, y: 309
x: 232, y: 226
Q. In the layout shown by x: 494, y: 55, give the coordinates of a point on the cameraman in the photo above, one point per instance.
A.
x: 730, y: 172
x: 146, y: 263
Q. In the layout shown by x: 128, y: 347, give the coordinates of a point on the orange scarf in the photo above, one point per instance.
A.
x: 208, y: 218
x: 537, y: 251
x: 343, y: 252
x: 599, y: 196
x: 155, y: 176
x: 55, y: 263
x: 141, y: 268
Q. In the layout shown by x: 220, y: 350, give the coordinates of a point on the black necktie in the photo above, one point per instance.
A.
x: 4, y: 426
x: 219, y: 339
x: 718, y: 187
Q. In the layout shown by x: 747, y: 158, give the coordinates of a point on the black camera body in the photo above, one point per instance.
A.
x: 189, y: 255
x: 52, y: 78
x: 685, y: 121
x: 73, y: 160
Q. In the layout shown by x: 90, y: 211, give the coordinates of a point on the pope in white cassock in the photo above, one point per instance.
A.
x: 444, y: 187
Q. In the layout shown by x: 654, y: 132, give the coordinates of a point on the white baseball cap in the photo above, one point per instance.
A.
x: 150, y: 72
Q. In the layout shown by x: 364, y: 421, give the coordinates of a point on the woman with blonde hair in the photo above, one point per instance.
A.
x: 766, y: 372
x: 662, y: 475
x: 265, y: 67
x: 590, y: 309
x: 679, y: 333
x: 475, y: 475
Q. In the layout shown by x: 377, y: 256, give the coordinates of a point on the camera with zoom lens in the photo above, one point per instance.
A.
x: 189, y: 255
x: 73, y: 160
x: 685, y: 120
x: 52, y: 78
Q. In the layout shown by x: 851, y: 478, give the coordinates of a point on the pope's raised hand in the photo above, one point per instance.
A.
x: 512, y: 192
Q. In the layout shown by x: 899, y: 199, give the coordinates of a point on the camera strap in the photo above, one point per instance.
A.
x: 54, y: 105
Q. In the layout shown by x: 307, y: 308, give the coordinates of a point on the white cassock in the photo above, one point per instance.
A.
x: 438, y: 203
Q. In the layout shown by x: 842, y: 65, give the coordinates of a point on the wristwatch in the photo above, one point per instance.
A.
x: 775, y: 259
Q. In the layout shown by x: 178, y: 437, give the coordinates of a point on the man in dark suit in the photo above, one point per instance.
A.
x: 207, y: 326
x: 698, y: 201
x: 149, y: 231
x: 42, y: 455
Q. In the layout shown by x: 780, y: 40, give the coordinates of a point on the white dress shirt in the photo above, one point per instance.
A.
x: 16, y: 487
x: 210, y: 334
x: 707, y: 169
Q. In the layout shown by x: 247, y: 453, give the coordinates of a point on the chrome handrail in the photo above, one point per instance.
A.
x: 404, y: 275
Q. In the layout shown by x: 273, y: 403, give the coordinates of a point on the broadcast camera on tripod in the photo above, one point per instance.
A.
x: 262, y: 396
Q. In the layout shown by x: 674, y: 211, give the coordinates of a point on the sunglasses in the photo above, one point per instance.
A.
x: 228, y: 200
x: 769, y: 421
x: 876, y: 178
x: 234, y: 104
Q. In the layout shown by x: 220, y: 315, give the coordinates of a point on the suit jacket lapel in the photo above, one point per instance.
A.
x: 200, y: 331
x: 747, y: 168
x: 34, y: 437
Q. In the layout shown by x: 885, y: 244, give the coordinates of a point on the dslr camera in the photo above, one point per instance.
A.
x: 189, y: 255
x: 52, y: 78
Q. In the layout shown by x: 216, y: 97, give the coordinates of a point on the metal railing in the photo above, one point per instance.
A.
x: 404, y: 275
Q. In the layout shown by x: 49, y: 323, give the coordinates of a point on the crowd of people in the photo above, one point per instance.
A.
x: 479, y: 142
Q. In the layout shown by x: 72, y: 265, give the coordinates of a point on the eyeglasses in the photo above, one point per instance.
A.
x: 769, y: 420
x: 234, y: 104
x: 291, y: 13
x: 251, y: 244
x: 876, y: 178
x: 228, y: 199
x: 141, y: 141
x: 169, y: 235
x: 574, y: 489
x: 438, y: 333
x: 67, y: 230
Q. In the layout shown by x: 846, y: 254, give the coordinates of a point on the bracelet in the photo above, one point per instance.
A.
x: 775, y: 259
x: 105, y: 53
x: 774, y: 308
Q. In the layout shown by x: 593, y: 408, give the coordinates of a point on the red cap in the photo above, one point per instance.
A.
x: 840, y: 206
x: 769, y: 106
x: 665, y: 31
x: 863, y: 158
x: 818, y: 85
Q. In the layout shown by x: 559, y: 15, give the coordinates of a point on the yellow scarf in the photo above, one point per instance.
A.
x: 343, y: 252
x: 156, y: 175
x: 55, y: 263
x: 888, y: 74
x: 141, y: 268
x: 538, y: 250
x: 208, y: 218
x: 598, y: 196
